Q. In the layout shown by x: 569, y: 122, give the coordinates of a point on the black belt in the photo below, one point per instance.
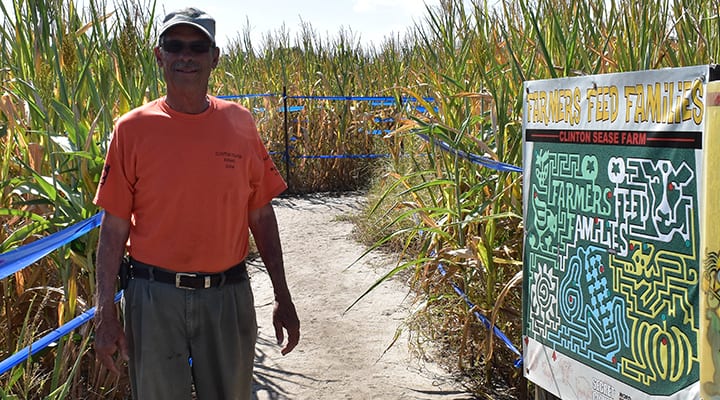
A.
x: 186, y: 280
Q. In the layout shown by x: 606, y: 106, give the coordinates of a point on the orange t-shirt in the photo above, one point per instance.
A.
x: 186, y: 183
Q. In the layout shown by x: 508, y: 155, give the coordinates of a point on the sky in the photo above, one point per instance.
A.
x: 370, y: 20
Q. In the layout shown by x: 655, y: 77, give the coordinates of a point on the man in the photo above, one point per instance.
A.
x: 186, y: 175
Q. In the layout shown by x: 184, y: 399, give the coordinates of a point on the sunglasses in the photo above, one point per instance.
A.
x: 177, y: 46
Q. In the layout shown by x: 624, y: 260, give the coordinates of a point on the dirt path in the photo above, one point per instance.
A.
x: 340, y: 355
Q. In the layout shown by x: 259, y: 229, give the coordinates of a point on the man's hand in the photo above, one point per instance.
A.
x: 285, y: 317
x: 109, y: 339
x: 263, y: 225
x: 109, y: 335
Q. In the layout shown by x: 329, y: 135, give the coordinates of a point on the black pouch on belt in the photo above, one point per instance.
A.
x: 124, y: 272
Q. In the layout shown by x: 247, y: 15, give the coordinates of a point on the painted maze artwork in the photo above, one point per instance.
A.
x: 613, y: 261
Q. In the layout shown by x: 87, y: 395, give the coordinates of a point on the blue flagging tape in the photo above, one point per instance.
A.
x: 347, y: 156
x: 19, y: 258
x: 477, y: 159
x: 345, y: 98
x: 422, y: 109
x: 375, y: 100
x: 248, y: 96
x: 281, y: 109
x: 485, y: 321
x: 375, y: 131
x: 52, y: 337
x: 329, y: 156
x: 292, y: 108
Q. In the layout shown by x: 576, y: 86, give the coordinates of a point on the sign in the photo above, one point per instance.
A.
x: 613, y: 172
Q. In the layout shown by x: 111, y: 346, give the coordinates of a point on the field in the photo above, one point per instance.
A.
x: 66, y: 74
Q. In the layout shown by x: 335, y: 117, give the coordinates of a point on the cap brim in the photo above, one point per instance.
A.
x: 194, y: 25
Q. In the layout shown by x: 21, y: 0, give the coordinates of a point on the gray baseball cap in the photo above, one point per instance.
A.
x: 193, y: 17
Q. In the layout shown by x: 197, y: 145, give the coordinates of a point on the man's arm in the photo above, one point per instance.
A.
x: 263, y: 225
x: 109, y: 334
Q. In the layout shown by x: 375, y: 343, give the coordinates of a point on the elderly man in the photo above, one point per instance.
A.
x: 186, y: 175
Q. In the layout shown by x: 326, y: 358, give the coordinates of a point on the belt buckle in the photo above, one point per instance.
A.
x: 180, y: 275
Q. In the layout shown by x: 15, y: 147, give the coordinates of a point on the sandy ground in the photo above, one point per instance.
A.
x: 340, y: 355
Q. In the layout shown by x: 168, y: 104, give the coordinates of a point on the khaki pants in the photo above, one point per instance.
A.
x: 167, y: 327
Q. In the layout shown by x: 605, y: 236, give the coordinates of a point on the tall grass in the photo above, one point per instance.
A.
x: 66, y: 75
x: 64, y: 83
x: 467, y: 218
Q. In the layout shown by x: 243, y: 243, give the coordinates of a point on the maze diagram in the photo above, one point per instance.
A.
x: 612, y: 261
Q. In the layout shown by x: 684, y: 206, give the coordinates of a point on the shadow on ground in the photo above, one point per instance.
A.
x: 270, y: 382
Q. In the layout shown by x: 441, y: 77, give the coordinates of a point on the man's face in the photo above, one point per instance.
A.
x: 187, y: 57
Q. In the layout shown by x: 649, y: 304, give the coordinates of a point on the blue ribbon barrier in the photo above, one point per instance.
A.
x: 292, y: 109
x: 375, y: 100
x: 477, y: 159
x: 19, y: 258
x: 485, y: 321
x: 330, y: 156
x: 248, y: 96
x: 422, y: 109
x: 345, y: 98
x: 280, y: 109
x: 52, y: 337
x: 346, y: 156
x: 375, y: 131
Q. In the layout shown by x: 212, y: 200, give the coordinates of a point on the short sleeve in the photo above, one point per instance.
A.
x: 267, y: 182
x: 115, y: 189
